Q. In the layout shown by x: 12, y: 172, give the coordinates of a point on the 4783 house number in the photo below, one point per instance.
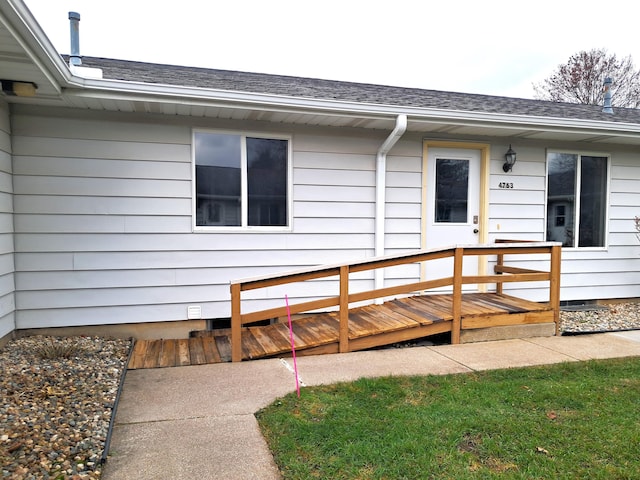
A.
x: 505, y: 185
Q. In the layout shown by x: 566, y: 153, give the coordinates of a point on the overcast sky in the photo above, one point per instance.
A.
x: 472, y: 46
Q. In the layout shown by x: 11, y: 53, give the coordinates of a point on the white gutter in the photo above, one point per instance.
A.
x: 381, y: 197
x: 127, y: 90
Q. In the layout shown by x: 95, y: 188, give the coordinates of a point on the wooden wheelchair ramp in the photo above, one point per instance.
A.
x: 370, y: 326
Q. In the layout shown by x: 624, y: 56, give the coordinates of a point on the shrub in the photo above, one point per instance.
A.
x: 58, y: 348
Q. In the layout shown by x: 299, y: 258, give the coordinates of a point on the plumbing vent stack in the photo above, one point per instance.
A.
x: 607, y: 96
x: 74, y: 23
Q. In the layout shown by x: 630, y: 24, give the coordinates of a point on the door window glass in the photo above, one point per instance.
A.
x: 452, y: 191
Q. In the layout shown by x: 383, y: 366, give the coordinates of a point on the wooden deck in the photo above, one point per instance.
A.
x: 370, y: 326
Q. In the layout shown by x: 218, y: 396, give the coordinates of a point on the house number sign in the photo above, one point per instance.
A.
x: 505, y: 185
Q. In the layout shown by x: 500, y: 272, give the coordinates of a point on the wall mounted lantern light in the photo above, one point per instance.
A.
x: 509, y: 160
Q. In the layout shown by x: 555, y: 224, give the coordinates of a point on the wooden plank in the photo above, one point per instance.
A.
x: 210, y: 349
x: 520, y: 277
x: 439, y: 304
x: 305, y: 336
x: 361, y: 325
x: 196, y: 351
x: 508, y: 319
x: 479, y: 304
x: 182, y: 352
x: 522, y: 303
x: 472, y: 309
x: 282, y: 279
x: 269, y: 339
x: 224, y: 347
x: 391, y: 314
x: 443, y: 302
x: 280, y: 336
x: 399, y: 290
x: 325, y: 329
x: 154, y: 349
x: 513, y: 270
x: 376, y: 316
x: 400, y: 335
x: 283, y: 331
x: 387, y: 319
x: 540, y: 317
x: 168, y: 357
x: 419, y: 313
x: 319, y: 350
x: 251, y: 348
x: 138, y: 355
x: 277, y: 312
x: 498, y: 305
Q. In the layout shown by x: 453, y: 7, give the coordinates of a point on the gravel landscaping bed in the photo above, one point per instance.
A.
x: 600, y: 318
x: 55, y: 411
x: 56, y: 400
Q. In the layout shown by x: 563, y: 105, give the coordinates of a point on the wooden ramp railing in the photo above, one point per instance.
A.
x: 502, y: 274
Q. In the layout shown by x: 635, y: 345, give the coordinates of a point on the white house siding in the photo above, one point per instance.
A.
x: 519, y: 213
x: 403, y: 207
x: 103, y: 227
x: 7, y: 285
x: 103, y: 217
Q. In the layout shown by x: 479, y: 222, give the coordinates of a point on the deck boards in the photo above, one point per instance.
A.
x: 371, y: 325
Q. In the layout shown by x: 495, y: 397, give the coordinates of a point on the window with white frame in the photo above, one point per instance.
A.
x: 577, y: 187
x: 241, y: 180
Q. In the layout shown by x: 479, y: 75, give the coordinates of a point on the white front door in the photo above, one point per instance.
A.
x: 453, y: 197
x: 452, y: 206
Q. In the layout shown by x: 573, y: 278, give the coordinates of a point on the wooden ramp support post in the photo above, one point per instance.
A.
x: 236, y: 324
x: 456, y: 304
x: 344, y: 309
x: 554, y: 284
x: 498, y: 269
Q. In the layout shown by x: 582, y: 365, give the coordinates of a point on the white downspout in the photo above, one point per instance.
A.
x: 381, y: 187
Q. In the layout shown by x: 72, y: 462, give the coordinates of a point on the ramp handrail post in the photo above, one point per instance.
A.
x: 554, y: 284
x: 499, y: 263
x: 236, y: 324
x: 344, y: 309
x: 456, y: 303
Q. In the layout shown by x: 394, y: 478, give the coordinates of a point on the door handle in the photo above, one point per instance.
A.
x: 475, y: 230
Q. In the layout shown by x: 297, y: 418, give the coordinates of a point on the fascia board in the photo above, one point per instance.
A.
x: 18, y: 19
x: 116, y: 89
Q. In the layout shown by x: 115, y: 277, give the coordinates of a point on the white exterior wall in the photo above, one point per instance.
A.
x: 7, y: 285
x: 520, y: 213
x: 103, y: 227
x: 403, y: 207
x: 103, y: 219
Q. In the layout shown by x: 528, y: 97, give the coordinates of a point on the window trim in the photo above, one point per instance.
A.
x: 580, y: 154
x: 244, y: 213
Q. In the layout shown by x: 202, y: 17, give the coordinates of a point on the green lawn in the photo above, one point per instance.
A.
x: 569, y: 421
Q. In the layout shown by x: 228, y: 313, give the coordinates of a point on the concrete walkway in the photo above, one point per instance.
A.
x: 198, y: 422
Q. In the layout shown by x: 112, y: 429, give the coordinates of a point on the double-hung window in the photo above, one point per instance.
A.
x: 577, y: 187
x: 241, y: 180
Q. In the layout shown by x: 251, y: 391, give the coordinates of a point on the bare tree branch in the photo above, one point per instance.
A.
x: 581, y: 79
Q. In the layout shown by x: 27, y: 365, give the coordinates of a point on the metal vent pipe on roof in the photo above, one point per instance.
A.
x: 608, y: 108
x: 74, y: 23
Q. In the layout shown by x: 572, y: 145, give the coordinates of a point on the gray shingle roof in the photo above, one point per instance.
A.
x: 309, y: 88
